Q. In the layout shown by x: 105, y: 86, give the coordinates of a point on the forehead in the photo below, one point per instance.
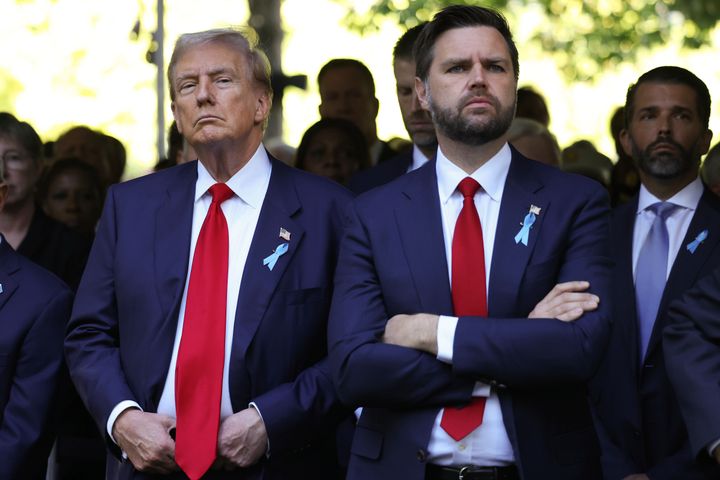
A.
x: 471, y: 42
x: 404, y: 70
x: 209, y: 56
x: 344, y: 78
x: 665, y: 95
x: 7, y: 142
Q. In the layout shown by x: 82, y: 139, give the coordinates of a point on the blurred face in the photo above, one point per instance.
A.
x: 73, y: 200
x: 86, y: 145
x: 216, y: 98
x: 666, y: 135
x: 329, y: 155
x: 416, y: 119
x: 344, y: 93
x: 471, y: 88
x: 21, y: 172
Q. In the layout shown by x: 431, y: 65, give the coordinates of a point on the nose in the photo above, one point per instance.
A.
x: 664, y: 125
x: 204, y: 92
x: 477, y: 76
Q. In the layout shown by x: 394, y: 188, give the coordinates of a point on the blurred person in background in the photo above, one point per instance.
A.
x: 333, y: 148
x: 70, y: 192
x: 534, y: 140
x: 34, y: 308
x: 710, y: 170
x: 347, y: 90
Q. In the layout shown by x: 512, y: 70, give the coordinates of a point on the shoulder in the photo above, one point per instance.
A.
x: 157, y: 181
x: 39, y: 283
x: 381, y: 173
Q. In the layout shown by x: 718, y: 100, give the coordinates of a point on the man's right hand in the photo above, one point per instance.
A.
x: 566, y: 301
x: 146, y: 440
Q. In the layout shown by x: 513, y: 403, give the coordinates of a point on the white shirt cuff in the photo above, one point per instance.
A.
x: 254, y: 405
x: 446, y: 337
x: 119, y: 408
x: 713, y: 446
x: 445, y: 340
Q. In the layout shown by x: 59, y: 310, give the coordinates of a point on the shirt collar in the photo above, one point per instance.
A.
x: 688, y: 197
x: 491, y: 175
x: 249, y: 183
x: 418, y: 158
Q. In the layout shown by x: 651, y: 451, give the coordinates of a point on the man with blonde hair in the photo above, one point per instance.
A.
x: 198, y: 334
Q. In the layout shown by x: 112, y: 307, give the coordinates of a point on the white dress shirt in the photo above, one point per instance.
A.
x: 418, y: 159
x: 487, y: 445
x: 242, y: 212
x: 677, y: 222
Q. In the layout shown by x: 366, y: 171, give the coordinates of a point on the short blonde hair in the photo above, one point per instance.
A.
x: 244, y: 39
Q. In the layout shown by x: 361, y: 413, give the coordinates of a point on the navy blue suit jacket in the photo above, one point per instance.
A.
x: 34, y: 309
x: 392, y: 261
x: 380, y: 174
x: 692, y: 353
x: 123, y: 326
x: 640, y: 425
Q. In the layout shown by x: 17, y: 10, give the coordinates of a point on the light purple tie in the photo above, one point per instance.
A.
x: 651, y: 272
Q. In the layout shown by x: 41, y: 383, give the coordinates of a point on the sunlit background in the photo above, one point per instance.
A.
x: 69, y: 62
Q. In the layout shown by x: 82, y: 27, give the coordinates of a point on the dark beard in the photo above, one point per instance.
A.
x: 665, y: 165
x: 457, y: 128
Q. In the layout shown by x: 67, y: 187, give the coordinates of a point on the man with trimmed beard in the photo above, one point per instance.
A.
x: 663, y: 241
x: 470, y: 302
x: 416, y: 119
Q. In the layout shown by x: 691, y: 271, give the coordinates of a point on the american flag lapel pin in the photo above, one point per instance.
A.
x: 284, y: 234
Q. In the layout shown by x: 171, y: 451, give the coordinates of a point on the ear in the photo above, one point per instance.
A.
x: 705, y: 141
x: 626, y: 142
x: 321, y: 109
x: 376, y: 107
x: 421, y: 91
x: 262, y: 106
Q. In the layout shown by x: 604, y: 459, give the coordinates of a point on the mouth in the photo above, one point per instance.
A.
x: 206, y: 119
x: 476, y: 102
x: 664, y: 147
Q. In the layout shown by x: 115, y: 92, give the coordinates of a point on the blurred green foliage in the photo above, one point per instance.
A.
x: 585, y: 37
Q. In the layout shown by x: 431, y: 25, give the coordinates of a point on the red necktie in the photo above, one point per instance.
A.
x: 201, y: 356
x: 469, y: 298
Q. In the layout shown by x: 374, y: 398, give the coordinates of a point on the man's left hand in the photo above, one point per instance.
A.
x: 418, y: 331
x: 242, y: 439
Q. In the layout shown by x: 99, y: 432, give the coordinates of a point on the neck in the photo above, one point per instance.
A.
x: 223, y: 160
x: 470, y: 157
x: 15, y: 220
x: 428, y: 150
x: 666, y: 188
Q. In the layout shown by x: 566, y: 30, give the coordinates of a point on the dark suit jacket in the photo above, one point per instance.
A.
x: 34, y: 309
x: 381, y: 173
x: 692, y: 354
x: 55, y: 247
x: 641, y: 429
x: 392, y: 260
x: 121, y: 335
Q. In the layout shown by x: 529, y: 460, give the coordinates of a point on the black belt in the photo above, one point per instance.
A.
x: 470, y: 472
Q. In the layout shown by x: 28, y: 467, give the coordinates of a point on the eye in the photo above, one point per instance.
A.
x: 404, y: 91
x: 224, y: 80
x: 456, y: 69
x: 496, y: 68
x: 186, y: 87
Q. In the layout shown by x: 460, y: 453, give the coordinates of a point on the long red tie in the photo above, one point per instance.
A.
x: 469, y: 297
x: 201, y: 356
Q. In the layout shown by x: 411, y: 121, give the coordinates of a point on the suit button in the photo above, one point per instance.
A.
x: 421, y: 455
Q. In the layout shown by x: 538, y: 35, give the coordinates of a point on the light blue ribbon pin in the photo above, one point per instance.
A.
x: 524, y: 233
x: 692, y: 246
x: 272, y: 259
x: 1, y: 288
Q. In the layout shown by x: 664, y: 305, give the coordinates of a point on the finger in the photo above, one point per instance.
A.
x: 569, y: 297
x: 571, y: 315
x: 565, y: 307
x: 574, y: 286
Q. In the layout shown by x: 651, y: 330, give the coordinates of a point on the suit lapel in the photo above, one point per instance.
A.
x: 8, y: 266
x: 687, y: 265
x: 173, y: 228
x: 258, y: 281
x: 419, y: 223
x: 510, y: 258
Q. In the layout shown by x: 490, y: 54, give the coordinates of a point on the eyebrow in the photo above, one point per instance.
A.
x: 483, y: 60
